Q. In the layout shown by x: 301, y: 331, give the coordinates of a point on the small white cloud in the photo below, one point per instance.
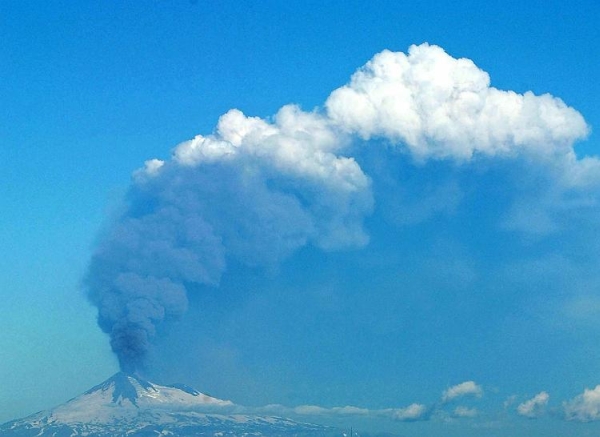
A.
x: 465, y: 412
x: 310, y: 410
x: 411, y: 413
x: 535, y: 406
x: 585, y: 407
x: 351, y: 411
x: 314, y: 410
x: 150, y: 169
x: 467, y: 388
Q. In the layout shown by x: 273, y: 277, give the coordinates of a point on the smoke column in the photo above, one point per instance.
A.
x: 256, y: 190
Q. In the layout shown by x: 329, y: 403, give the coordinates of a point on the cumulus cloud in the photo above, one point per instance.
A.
x: 441, y: 107
x: 584, y: 407
x: 298, y: 151
x: 535, y: 406
x: 467, y: 388
x: 436, y: 107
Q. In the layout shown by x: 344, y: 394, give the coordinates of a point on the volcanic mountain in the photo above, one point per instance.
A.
x: 127, y: 405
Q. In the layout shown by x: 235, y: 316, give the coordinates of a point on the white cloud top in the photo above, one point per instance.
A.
x: 467, y: 388
x: 535, y: 406
x: 298, y: 144
x: 299, y: 151
x: 442, y: 107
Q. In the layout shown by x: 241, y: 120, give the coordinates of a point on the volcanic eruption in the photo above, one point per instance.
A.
x: 257, y: 190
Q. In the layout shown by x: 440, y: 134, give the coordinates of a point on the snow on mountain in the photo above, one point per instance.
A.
x: 127, y: 405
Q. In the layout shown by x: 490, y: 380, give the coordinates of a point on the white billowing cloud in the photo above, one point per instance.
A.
x: 467, y: 388
x: 282, y: 177
x: 298, y: 144
x: 442, y: 107
x: 465, y: 412
x: 584, y: 407
x: 298, y: 150
x: 535, y: 406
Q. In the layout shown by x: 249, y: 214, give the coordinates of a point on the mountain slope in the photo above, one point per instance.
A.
x: 126, y: 405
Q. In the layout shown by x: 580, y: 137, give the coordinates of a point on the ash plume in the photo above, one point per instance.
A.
x: 252, y: 193
x: 256, y: 190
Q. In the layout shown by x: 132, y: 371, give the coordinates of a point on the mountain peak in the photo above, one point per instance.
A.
x: 124, y: 386
x: 126, y: 405
x: 126, y: 389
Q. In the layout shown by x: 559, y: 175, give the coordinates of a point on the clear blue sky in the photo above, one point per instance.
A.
x: 482, y: 270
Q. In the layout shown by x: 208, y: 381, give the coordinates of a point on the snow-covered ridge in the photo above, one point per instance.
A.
x: 127, y: 396
x: 131, y: 388
x: 126, y: 405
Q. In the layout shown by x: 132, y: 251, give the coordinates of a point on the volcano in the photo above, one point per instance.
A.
x: 127, y: 405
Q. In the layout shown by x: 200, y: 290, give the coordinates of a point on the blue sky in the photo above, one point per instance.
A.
x: 375, y: 265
